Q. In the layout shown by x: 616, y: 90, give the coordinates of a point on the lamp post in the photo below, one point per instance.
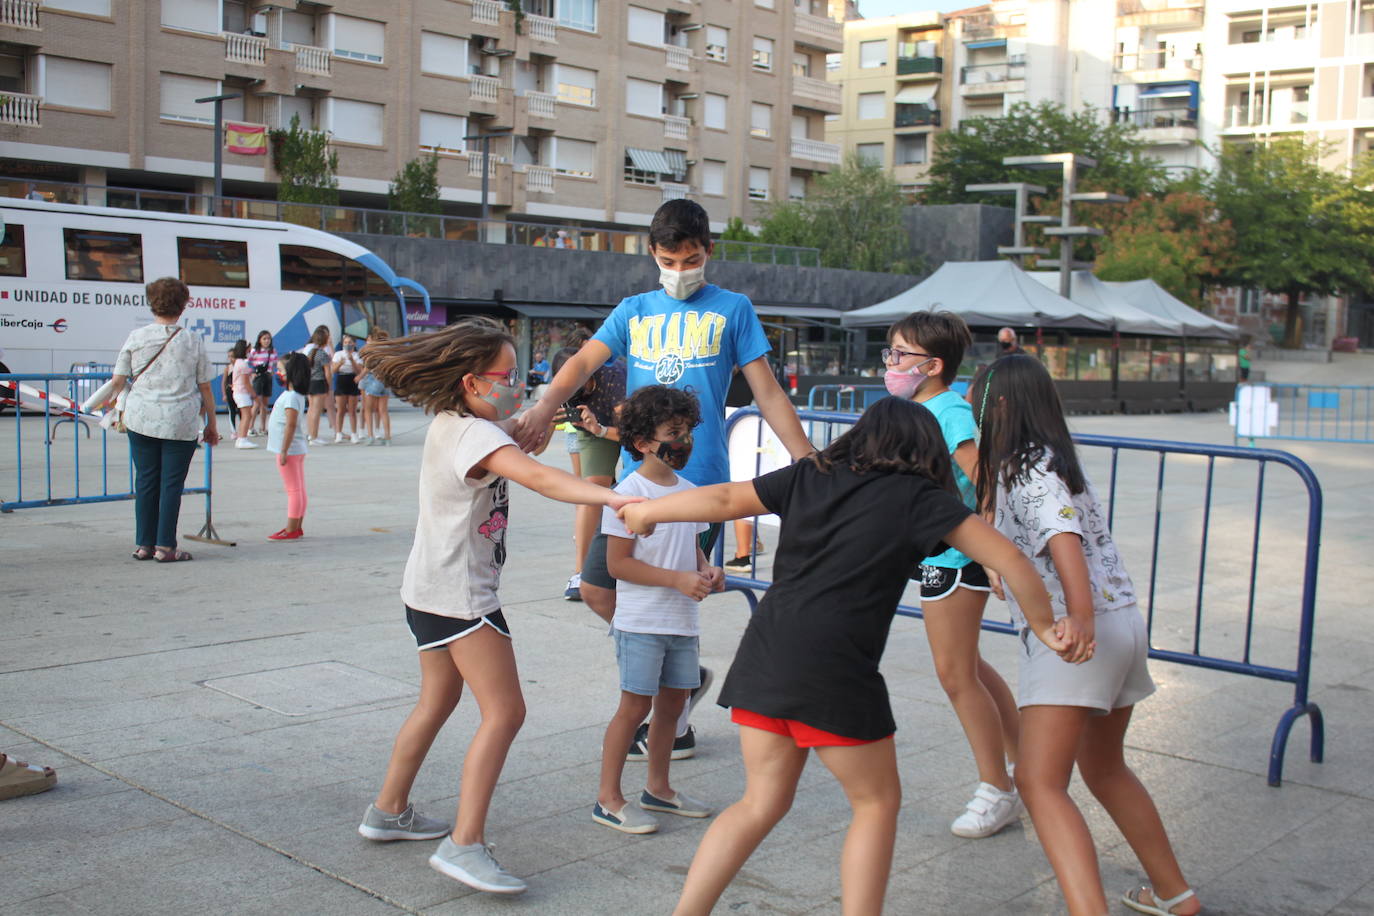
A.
x: 219, y: 101
x: 485, y: 140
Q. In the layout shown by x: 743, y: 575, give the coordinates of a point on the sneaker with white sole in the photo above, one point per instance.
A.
x: 475, y: 866
x: 245, y: 442
x: 574, y: 590
x: 739, y: 564
x: 408, y: 825
x: 680, y: 804
x: 338, y: 437
x: 684, y: 746
x: 987, y: 812
x: 628, y: 819
x: 354, y: 438
x: 319, y: 441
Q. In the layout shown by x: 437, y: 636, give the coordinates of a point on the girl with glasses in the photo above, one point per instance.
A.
x: 466, y: 376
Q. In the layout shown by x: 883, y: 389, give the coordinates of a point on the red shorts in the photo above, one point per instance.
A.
x: 802, y: 734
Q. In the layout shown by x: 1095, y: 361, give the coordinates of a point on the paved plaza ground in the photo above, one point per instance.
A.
x: 220, y: 726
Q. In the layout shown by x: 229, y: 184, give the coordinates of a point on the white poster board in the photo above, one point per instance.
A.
x: 754, y: 451
x: 1253, y: 413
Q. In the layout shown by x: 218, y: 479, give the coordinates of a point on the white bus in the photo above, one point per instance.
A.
x: 72, y: 278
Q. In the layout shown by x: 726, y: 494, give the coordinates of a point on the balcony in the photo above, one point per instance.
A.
x: 475, y: 161
x: 1161, y: 126
x: 241, y: 49
x: 815, y: 151
x: 678, y: 58
x: 541, y: 28
x: 541, y: 104
x: 676, y: 128
x: 916, y: 116
x: 1160, y: 65
x: 19, y: 14
x: 819, y: 90
x: 539, y: 179
x: 19, y: 109
x: 484, y: 88
x: 674, y: 191
x: 487, y: 11
x: 824, y: 32
x: 920, y: 66
x: 993, y: 79
x: 1243, y: 118
x: 310, y: 59
x: 1147, y: 13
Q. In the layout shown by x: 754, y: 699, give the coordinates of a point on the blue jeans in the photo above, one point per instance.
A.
x: 160, y: 467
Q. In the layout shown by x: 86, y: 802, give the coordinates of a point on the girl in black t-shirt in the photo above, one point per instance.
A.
x: 855, y: 519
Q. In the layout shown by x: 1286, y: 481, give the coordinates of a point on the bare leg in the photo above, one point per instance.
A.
x: 440, y: 687
x: 486, y: 662
x: 312, y: 415
x: 368, y: 408
x: 952, y: 627
x: 868, y: 774
x: 385, y: 411
x: 1049, y: 741
x: 1006, y: 707
x: 772, y: 766
x: 662, y: 730
x: 1115, y: 785
x: 600, y: 600
x: 332, y: 405
x: 632, y: 710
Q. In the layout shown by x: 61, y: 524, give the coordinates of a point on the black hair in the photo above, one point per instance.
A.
x: 240, y: 349
x: 650, y: 407
x: 895, y: 436
x: 677, y: 222
x: 297, y: 372
x: 942, y: 334
x: 1020, y: 418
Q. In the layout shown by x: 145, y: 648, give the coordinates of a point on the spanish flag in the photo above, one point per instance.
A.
x: 245, y: 139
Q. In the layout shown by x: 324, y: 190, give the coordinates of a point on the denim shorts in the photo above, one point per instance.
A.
x: 649, y: 661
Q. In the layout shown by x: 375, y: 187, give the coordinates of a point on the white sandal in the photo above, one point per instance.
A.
x: 1160, y: 907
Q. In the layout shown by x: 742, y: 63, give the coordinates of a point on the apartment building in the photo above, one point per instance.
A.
x: 598, y: 110
x: 1157, y: 77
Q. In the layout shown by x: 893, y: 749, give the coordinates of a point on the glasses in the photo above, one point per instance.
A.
x: 892, y: 355
x: 507, y: 378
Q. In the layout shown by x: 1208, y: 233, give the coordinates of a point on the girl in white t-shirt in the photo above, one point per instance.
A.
x: 1028, y: 473
x: 465, y: 375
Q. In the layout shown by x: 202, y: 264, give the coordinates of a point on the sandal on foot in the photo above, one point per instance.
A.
x: 18, y: 778
x: 142, y: 553
x: 172, y: 556
x: 1157, y: 906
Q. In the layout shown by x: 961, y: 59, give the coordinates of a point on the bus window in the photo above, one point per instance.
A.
x: 12, y: 251
x: 312, y: 270
x: 212, y: 262
x: 99, y: 255
x: 369, y: 302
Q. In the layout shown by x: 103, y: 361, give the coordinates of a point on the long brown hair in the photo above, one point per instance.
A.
x: 427, y: 369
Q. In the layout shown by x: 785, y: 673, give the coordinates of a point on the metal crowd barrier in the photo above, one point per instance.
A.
x: 1230, y: 579
x: 1320, y: 413
x: 42, y: 404
x: 843, y: 398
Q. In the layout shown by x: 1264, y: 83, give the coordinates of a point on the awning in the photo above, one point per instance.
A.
x: 916, y: 95
x: 557, y: 311
x: 649, y: 160
x: 988, y: 43
x: 1168, y: 91
x: 795, y: 311
x: 677, y: 160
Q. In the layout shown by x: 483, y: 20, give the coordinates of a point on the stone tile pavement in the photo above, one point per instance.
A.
x: 176, y: 796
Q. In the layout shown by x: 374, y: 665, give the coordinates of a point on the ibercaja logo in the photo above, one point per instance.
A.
x: 60, y: 325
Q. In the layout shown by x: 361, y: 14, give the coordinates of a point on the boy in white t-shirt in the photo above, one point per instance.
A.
x: 662, y: 576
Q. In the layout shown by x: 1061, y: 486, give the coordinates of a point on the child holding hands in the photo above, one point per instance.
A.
x: 662, y: 576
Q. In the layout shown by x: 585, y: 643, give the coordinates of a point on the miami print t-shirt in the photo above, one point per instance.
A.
x: 688, y: 343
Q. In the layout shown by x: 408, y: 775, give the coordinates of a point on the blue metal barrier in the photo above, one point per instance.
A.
x: 844, y: 398
x: 1321, y: 413
x: 41, y: 403
x: 1298, y: 675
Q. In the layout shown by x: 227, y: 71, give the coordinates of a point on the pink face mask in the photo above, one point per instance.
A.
x: 904, y: 384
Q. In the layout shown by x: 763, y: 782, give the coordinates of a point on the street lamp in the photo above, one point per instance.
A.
x: 219, y: 101
x: 486, y: 167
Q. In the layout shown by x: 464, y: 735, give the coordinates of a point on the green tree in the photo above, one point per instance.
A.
x: 306, y: 164
x: 972, y: 153
x: 1300, y: 228
x: 853, y: 215
x: 415, y: 189
x: 1176, y: 239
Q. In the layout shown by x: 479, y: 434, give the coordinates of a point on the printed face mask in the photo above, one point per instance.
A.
x: 680, y: 284
x: 507, y: 399
x: 1006, y: 344
x: 675, y: 452
x: 904, y: 384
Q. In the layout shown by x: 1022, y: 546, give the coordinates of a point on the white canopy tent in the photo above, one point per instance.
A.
x: 984, y: 293
x: 1149, y: 296
x: 1088, y: 291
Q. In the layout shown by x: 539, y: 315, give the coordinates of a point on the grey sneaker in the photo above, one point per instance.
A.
x: 680, y: 804
x: 475, y: 866
x: 628, y: 819
x: 408, y: 825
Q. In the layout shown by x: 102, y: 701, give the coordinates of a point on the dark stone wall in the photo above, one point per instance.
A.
x: 958, y: 232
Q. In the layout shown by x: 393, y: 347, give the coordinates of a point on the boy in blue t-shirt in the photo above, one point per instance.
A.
x: 922, y: 359
x: 688, y: 334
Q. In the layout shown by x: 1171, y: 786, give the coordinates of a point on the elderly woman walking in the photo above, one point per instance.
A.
x: 168, y: 407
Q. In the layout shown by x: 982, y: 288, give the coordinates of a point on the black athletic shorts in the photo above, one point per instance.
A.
x: 318, y: 386
x: 262, y: 384
x: 435, y: 631
x: 938, y: 582
x: 346, y: 384
x: 594, y: 571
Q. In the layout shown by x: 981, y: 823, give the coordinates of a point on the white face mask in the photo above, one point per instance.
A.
x: 680, y: 284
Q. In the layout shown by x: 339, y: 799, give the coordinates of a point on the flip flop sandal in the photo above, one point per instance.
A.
x: 1159, y: 907
x: 172, y: 556
x: 18, y: 778
x: 142, y: 553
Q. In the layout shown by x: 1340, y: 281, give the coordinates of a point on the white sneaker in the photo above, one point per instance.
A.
x: 245, y: 442
x: 338, y: 437
x: 355, y: 438
x: 987, y: 812
x: 318, y: 441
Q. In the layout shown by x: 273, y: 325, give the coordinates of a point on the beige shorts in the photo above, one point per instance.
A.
x: 1116, y: 676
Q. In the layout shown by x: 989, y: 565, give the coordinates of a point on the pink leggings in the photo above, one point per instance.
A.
x: 293, y: 476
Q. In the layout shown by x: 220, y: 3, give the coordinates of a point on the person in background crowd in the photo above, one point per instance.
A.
x: 539, y: 372
x: 346, y: 366
x: 1008, y: 342
x: 321, y: 367
x: 1243, y: 360
x: 263, y: 358
x: 241, y: 375
x: 226, y: 388
x: 376, y: 410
